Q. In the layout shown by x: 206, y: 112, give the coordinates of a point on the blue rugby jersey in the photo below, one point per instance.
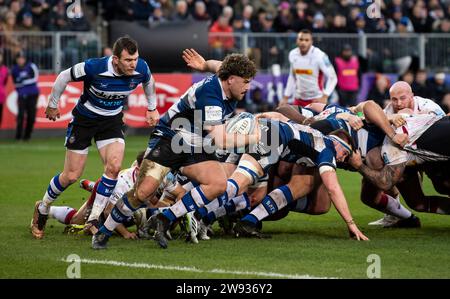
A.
x: 306, y: 145
x: 295, y: 144
x: 204, y: 103
x: 104, y: 90
x: 366, y: 138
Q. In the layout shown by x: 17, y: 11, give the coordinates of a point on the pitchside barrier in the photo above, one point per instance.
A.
x: 169, y: 88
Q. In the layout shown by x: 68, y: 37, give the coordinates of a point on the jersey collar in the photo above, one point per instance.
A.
x: 224, y: 96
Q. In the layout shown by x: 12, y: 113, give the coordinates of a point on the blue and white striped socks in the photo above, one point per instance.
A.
x: 191, y: 201
x: 104, y: 190
x: 54, y: 189
x: 273, y: 202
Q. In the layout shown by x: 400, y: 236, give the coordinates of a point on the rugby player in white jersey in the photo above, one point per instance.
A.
x: 312, y: 77
x: 429, y: 142
x: 401, y: 97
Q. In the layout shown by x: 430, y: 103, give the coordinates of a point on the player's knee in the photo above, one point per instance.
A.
x: 113, y: 169
x: 285, y: 170
x: 319, y: 210
x: 70, y: 177
x: 218, y: 186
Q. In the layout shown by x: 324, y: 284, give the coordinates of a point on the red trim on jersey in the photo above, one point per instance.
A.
x: 320, y: 80
x: 383, y: 201
x: 300, y: 102
x: 405, y: 131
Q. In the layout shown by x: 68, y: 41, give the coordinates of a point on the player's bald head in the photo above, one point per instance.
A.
x: 401, y: 96
x: 399, y: 87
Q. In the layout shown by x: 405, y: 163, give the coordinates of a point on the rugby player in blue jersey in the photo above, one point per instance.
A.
x: 186, y: 138
x: 107, y: 83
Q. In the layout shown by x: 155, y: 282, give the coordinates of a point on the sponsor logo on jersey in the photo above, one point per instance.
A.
x: 303, y: 71
x: 213, y: 113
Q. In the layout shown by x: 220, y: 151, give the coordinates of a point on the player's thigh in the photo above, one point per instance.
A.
x: 74, y: 164
x: 302, y: 181
x: 210, y: 174
x: 229, y: 168
x: 151, y: 174
x: 112, y: 153
x: 319, y: 200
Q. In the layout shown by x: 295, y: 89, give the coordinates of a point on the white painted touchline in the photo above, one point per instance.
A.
x: 194, y: 269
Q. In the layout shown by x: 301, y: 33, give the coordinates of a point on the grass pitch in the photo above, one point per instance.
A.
x: 302, y: 246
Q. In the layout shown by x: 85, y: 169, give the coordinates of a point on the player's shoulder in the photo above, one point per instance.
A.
x: 96, y: 65
x: 423, y: 101
x: 318, y: 53
x: 209, y: 85
x: 294, y: 52
x: 142, y: 67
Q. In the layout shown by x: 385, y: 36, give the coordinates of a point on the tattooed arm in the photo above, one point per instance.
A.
x: 385, y: 179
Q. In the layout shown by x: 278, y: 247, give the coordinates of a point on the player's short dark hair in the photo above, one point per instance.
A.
x: 344, y: 135
x: 140, y: 157
x: 306, y: 31
x: 237, y: 65
x: 125, y: 43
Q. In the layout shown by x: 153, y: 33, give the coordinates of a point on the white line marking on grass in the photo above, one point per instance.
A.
x: 196, y: 270
x: 58, y: 148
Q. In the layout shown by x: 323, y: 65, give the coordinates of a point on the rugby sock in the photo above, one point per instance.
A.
x: 119, y: 214
x: 54, y: 189
x: 62, y: 214
x: 274, y: 201
x: 191, y: 201
x: 104, y: 190
x: 235, y: 204
x: 392, y: 206
x: 232, y: 191
x: 91, y: 199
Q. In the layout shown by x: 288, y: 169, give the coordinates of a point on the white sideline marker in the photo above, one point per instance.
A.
x: 196, y: 270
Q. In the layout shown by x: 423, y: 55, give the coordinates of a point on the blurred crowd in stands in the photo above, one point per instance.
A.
x: 334, y: 16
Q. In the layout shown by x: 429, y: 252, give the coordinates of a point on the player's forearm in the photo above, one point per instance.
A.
x: 374, y: 114
x: 212, y: 66
x: 58, y: 88
x: 122, y: 230
x: 150, y: 94
x: 381, y: 179
x: 338, y: 198
x: 230, y: 141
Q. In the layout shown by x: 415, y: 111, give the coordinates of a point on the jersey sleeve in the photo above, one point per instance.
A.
x: 147, y: 73
x: 211, y: 107
x: 428, y: 106
x: 80, y: 71
x: 330, y: 74
x: 326, y: 160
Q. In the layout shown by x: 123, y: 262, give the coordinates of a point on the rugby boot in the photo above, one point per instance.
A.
x: 38, y: 222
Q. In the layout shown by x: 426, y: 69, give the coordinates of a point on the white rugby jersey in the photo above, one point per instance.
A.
x: 421, y: 105
x: 416, y: 125
x: 127, y: 178
x: 306, y: 75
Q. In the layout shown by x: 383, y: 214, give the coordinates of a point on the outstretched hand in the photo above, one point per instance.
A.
x: 194, y: 60
x: 52, y: 113
x: 355, y: 233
